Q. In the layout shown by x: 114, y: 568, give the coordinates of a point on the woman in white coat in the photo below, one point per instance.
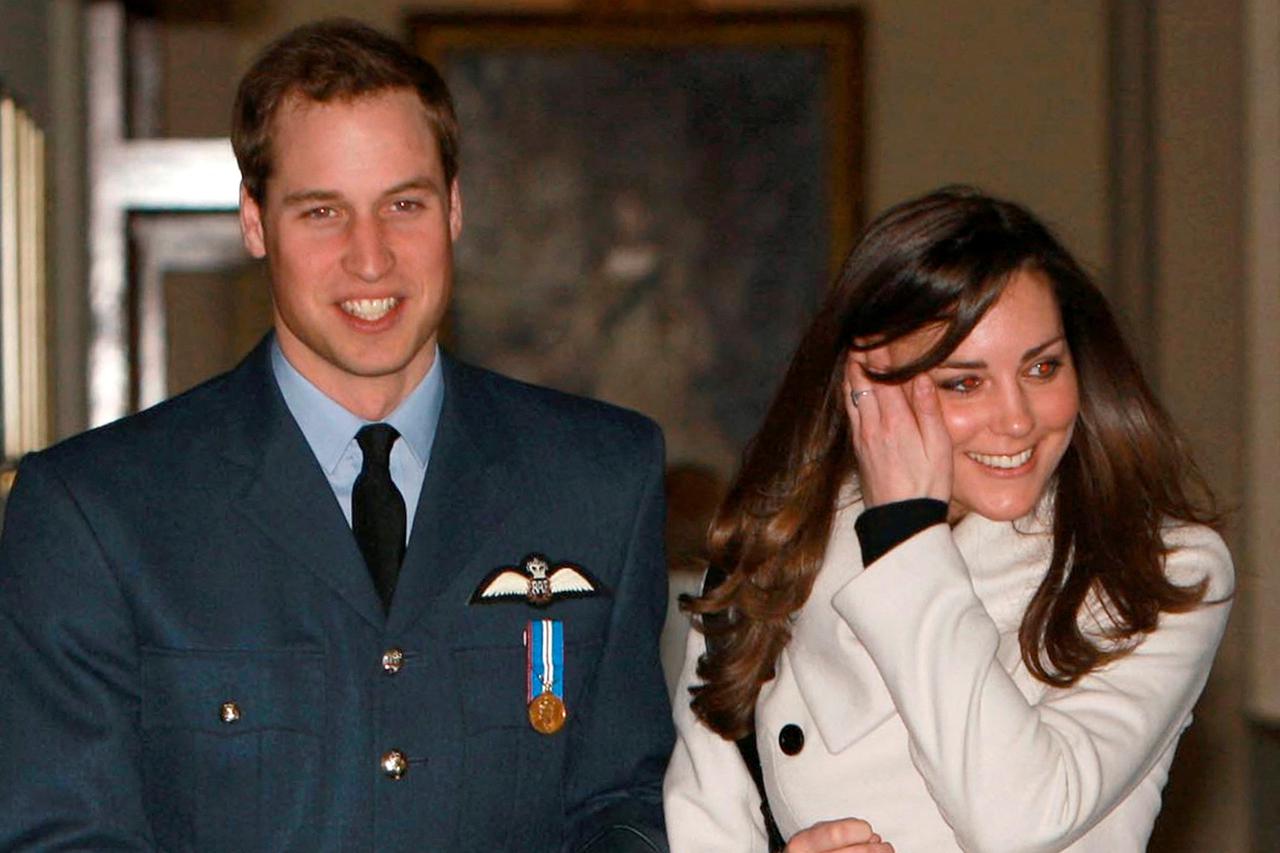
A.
x: 971, y: 589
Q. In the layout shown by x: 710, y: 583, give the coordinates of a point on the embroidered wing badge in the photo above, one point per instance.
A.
x: 536, y: 583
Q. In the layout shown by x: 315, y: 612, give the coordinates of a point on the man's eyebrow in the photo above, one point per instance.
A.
x: 419, y: 183
x: 306, y: 196
x: 319, y: 195
x: 979, y: 365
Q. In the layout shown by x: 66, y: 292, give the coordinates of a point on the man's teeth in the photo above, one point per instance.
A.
x: 1003, y: 461
x: 370, y: 309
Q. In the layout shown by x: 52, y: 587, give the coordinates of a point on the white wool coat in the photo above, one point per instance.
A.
x: 919, y: 716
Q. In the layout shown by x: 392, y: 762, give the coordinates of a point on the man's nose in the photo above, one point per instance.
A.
x: 368, y: 257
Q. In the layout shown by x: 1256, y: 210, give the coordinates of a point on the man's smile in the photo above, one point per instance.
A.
x: 370, y: 309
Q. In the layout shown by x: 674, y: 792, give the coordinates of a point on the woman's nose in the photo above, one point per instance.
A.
x: 1014, y: 415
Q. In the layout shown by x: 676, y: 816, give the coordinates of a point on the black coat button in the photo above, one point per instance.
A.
x: 791, y: 739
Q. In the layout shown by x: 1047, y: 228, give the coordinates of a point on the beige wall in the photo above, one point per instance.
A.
x: 1262, y: 339
x: 944, y: 107
x: 1197, y: 326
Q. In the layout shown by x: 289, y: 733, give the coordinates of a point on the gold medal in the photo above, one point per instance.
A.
x: 544, y: 669
x: 547, y: 713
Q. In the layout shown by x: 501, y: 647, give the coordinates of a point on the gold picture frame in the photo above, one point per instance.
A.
x: 24, y: 397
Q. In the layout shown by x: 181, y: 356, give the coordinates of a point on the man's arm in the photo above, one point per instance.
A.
x: 613, y: 791
x: 69, y: 745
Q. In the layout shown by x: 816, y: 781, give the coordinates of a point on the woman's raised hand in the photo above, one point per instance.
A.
x: 849, y: 835
x: 902, y: 444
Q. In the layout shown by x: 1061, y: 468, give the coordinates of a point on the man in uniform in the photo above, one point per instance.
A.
x: 354, y: 594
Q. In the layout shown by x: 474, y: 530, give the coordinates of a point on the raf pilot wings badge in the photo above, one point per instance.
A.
x: 536, y: 583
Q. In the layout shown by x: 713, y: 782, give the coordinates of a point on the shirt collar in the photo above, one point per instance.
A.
x: 329, y: 428
x: 418, y: 415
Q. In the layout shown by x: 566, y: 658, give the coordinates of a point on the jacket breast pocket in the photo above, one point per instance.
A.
x: 232, y: 748
x: 515, y: 775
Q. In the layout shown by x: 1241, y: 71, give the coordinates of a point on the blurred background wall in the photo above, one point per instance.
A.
x: 1147, y: 131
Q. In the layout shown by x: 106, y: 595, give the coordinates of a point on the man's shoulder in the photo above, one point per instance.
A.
x: 536, y: 411
x: 176, y: 425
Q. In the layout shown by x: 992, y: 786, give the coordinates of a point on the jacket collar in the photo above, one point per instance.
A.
x: 473, y: 481
x: 281, y: 489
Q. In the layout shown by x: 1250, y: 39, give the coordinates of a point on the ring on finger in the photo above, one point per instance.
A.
x: 853, y: 396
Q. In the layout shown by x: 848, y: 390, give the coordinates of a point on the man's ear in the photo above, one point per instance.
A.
x: 455, y: 210
x: 255, y: 241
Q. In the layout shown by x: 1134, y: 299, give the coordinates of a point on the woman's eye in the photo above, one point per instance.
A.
x: 1044, y: 369
x: 961, y: 384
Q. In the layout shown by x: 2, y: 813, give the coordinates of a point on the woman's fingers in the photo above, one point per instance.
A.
x: 837, y: 836
x: 894, y: 411
x: 859, y: 394
x: 899, y: 436
x: 927, y: 409
x: 852, y: 365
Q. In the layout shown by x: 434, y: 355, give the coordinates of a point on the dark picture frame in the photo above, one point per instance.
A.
x: 653, y: 206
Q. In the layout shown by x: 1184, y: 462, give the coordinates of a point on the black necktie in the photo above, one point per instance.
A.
x: 377, y: 510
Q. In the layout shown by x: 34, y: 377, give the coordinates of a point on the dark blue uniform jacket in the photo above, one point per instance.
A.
x: 194, y: 555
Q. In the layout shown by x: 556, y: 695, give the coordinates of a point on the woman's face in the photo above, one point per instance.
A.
x: 1009, y: 399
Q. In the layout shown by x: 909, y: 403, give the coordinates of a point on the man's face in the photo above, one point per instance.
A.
x: 357, y: 227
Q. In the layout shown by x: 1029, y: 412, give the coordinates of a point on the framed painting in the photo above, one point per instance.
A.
x: 653, y: 206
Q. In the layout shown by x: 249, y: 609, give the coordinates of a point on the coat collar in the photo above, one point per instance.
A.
x: 837, y: 678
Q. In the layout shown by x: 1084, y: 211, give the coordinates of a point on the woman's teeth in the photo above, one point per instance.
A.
x: 1002, y: 461
x: 370, y: 309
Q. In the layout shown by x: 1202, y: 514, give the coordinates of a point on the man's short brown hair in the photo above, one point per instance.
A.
x: 336, y: 59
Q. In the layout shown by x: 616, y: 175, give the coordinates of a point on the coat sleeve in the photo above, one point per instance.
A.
x: 613, y: 788
x: 70, y: 774
x: 711, y: 802
x: 1007, y: 774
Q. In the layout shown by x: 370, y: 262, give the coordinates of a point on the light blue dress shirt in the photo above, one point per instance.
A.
x: 331, y: 430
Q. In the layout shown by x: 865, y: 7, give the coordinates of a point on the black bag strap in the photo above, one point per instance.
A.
x: 747, y: 746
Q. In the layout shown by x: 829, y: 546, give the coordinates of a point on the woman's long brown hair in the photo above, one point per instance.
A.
x: 944, y: 260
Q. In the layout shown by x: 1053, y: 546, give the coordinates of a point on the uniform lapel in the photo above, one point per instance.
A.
x: 467, y: 494
x: 284, y: 493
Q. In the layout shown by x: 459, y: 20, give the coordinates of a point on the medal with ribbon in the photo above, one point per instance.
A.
x: 544, y: 666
